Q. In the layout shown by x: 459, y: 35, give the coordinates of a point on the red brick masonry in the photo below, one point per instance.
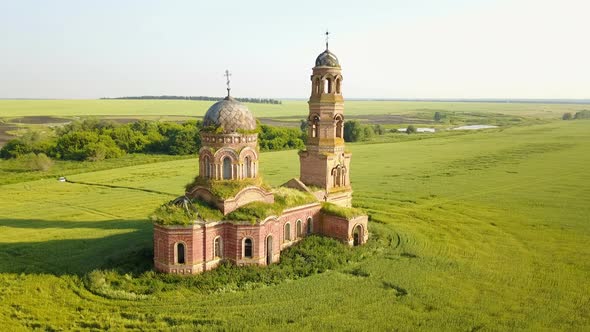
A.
x: 268, y: 239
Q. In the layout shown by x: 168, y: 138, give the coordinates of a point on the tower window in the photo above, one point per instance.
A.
x: 339, y: 127
x: 248, y: 162
x: 315, y: 127
x: 207, y: 166
x: 227, y: 168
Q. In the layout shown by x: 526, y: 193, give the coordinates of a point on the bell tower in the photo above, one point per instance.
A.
x: 325, y: 164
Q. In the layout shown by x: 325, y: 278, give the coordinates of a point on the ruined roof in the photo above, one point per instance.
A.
x: 229, y: 114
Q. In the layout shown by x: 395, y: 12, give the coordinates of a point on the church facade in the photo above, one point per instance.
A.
x: 229, y: 159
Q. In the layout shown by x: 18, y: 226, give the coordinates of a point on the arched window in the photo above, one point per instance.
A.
x: 287, y: 232
x: 298, y: 228
x: 330, y: 85
x: 248, y: 162
x: 309, y: 225
x: 338, y: 85
x: 248, y: 248
x: 180, y: 254
x: 227, y: 168
x: 217, y: 247
x: 339, y: 127
x: 315, y: 126
x: 336, y: 176
x: 318, y: 86
x: 207, y: 166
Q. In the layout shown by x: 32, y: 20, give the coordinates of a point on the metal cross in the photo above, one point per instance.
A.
x: 227, y: 76
x: 327, y: 37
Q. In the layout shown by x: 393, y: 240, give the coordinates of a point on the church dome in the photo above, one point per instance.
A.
x: 327, y: 59
x: 229, y: 114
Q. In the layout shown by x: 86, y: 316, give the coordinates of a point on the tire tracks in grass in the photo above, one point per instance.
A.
x: 111, y: 186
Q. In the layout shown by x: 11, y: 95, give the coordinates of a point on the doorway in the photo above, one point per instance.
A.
x: 357, y: 235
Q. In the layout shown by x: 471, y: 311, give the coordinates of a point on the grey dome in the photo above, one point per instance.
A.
x: 327, y: 59
x: 229, y: 114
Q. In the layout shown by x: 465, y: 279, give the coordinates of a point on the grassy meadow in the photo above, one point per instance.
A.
x: 485, y: 230
x: 289, y: 108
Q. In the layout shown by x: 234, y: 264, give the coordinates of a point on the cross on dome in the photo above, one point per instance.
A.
x: 227, y: 76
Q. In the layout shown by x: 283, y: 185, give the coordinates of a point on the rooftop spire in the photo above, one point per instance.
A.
x: 327, y: 37
x: 227, y: 76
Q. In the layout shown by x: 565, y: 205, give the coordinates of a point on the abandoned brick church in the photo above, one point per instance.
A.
x: 223, y: 204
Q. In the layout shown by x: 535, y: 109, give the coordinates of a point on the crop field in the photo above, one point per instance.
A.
x: 482, y: 231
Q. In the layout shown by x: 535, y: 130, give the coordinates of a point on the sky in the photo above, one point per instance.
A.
x: 387, y: 49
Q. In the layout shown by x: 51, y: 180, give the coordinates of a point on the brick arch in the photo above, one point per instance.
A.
x: 359, y: 238
x: 246, y: 151
x: 223, y: 152
x: 205, y: 154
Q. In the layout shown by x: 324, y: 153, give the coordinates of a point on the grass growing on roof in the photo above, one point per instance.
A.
x: 169, y: 214
x: 341, y: 211
x: 226, y: 188
x: 285, y: 198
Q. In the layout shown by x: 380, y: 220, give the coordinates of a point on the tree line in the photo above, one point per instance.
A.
x: 94, y: 140
x: 584, y: 114
x: 243, y: 100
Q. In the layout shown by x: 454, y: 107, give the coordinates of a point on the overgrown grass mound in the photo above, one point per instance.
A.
x: 226, y: 188
x: 284, y: 198
x: 340, y: 211
x: 313, y: 255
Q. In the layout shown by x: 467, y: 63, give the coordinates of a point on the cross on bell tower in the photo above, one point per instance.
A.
x: 325, y: 163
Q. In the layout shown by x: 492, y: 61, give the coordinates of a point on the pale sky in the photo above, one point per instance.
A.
x: 387, y: 49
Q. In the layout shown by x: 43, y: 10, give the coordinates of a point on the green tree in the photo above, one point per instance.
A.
x: 128, y: 139
x: 368, y: 133
x: 411, y: 129
x: 81, y: 145
x: 378, y: 129
x: 437, y: 116
x: 15, y: 148
x: 566, y: 116
x: 353, y: 131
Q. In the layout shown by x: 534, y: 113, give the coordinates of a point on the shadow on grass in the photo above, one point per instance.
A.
x: 130, y: 252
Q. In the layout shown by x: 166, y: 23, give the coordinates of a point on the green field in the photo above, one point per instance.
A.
x: 163, y: 108
x: 484, y: 231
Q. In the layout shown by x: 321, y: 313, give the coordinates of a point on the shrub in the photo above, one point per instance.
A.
x: 38, y: 162
x: 584, y: 114
x: 566, y: 116
x: 411, y: 129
